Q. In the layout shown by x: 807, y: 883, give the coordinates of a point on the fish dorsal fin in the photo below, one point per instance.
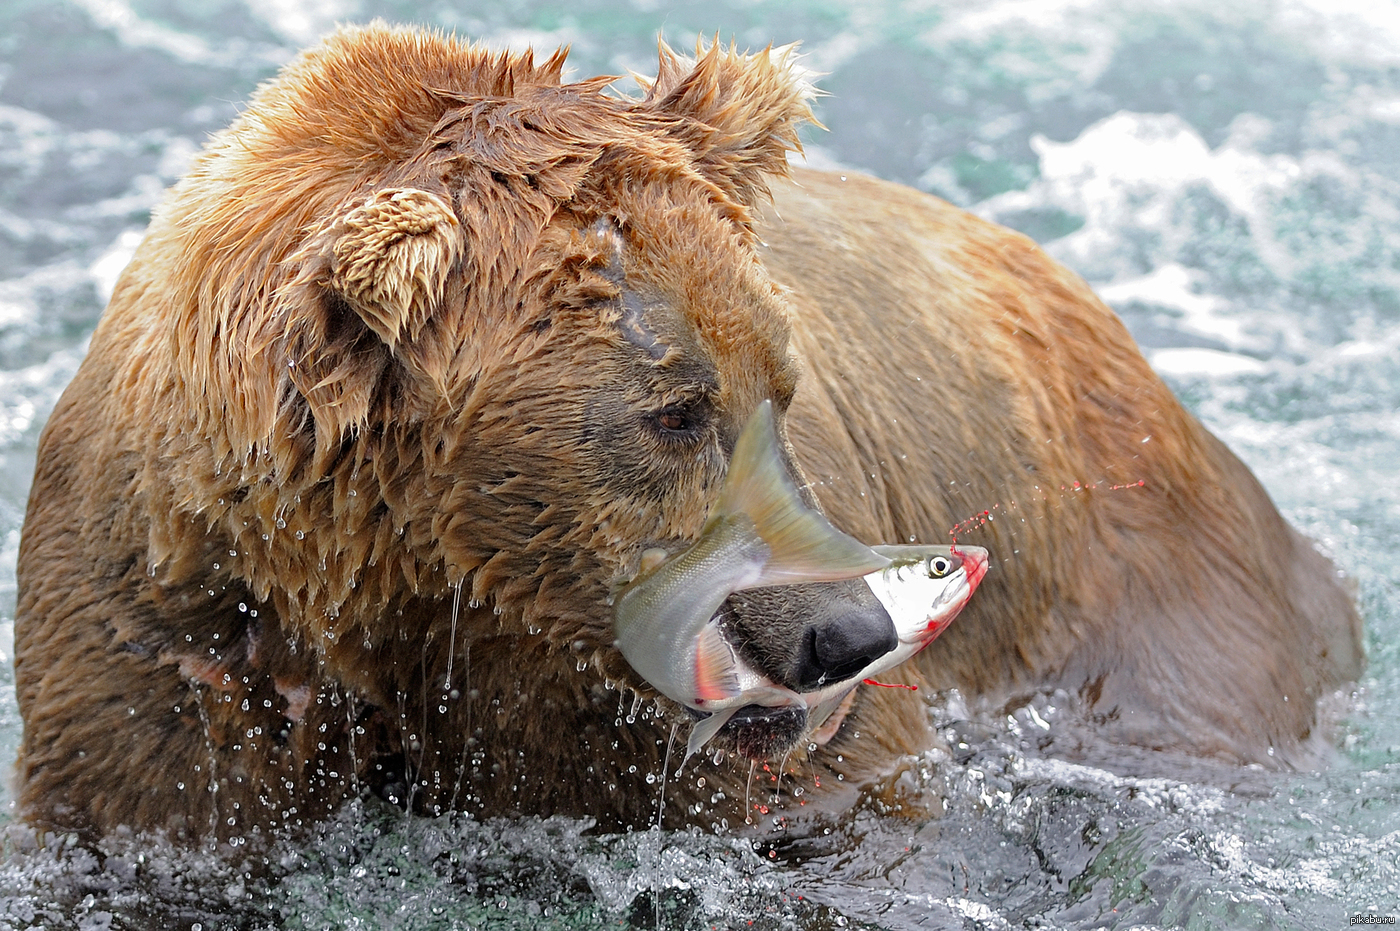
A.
x: 804, y: 546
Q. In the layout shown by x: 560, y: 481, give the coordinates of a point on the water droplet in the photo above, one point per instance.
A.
x: 281, y: 524
x: 216, y: 565
x: 243, y: 607
x: 301, y: 535
x: 651, y: 779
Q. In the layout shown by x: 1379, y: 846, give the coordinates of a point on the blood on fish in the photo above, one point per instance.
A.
x: 891, y: 685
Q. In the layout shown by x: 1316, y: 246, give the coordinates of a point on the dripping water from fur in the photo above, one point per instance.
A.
x: 350, y: 726
x: 660, y: 810
x: 748, y: 788
x: 452, y: 633
x: 213, y: 787
x: 465, y: 759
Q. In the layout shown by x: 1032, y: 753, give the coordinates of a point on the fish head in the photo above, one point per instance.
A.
x: 925, y: 587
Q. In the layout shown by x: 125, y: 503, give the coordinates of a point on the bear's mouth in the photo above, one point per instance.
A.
x: 760, y: 732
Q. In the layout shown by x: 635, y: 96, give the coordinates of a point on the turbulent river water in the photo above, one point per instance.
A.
x: 1226, y: 174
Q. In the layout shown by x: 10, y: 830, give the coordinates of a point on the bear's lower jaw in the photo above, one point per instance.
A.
x: 759, y: 732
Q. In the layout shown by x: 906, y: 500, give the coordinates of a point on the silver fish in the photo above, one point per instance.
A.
x: 758, y: 534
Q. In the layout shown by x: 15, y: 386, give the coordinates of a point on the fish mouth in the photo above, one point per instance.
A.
x: 975, y: 561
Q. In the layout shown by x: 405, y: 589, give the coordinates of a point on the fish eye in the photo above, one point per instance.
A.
x: 939, y: 566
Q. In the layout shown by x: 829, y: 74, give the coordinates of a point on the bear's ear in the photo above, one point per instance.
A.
x: 738, y: 113
x: 390, y: 258
x: 386, y: 260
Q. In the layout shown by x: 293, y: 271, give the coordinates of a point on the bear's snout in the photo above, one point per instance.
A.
x: 812, y: 633
x: 838, y: 646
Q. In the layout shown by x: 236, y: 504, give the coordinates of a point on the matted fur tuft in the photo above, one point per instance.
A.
x: 743, y: 110
x: 393, y: 254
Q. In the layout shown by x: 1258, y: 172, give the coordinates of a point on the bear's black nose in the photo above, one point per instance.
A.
x: 843, y: 643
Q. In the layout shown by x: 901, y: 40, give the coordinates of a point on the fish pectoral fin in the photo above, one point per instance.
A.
x: 803, y: 545
x: 702, y: 731
x: 716, y: 666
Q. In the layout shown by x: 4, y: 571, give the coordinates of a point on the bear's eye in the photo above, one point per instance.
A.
x: 939, y: 566
x: 680, y: 421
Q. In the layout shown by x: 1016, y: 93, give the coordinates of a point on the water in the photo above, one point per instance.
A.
x: 1224, y: 174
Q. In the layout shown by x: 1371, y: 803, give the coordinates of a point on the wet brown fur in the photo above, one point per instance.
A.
x: 401, y: 337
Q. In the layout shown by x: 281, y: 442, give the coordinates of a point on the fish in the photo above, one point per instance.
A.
x: 923, y: 589
x: 758, y: 534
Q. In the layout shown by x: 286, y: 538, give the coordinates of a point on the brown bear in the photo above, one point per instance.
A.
x: 429, y: 347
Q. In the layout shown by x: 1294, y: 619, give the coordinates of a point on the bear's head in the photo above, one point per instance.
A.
x: 468, y: 341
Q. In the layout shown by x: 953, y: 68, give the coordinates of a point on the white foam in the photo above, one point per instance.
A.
x: 1129, y: 169
x: 1182, y: 289
x: 118, y: 17
x: 1199, y: 361
x: 302, y: 22
x: 1078, y: 31
x: 109, y: 264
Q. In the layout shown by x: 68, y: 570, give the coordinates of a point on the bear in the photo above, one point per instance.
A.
x: 429, y: 347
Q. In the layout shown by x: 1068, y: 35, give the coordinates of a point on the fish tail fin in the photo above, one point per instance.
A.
x: 804, y: 546
x: 716, y: 675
